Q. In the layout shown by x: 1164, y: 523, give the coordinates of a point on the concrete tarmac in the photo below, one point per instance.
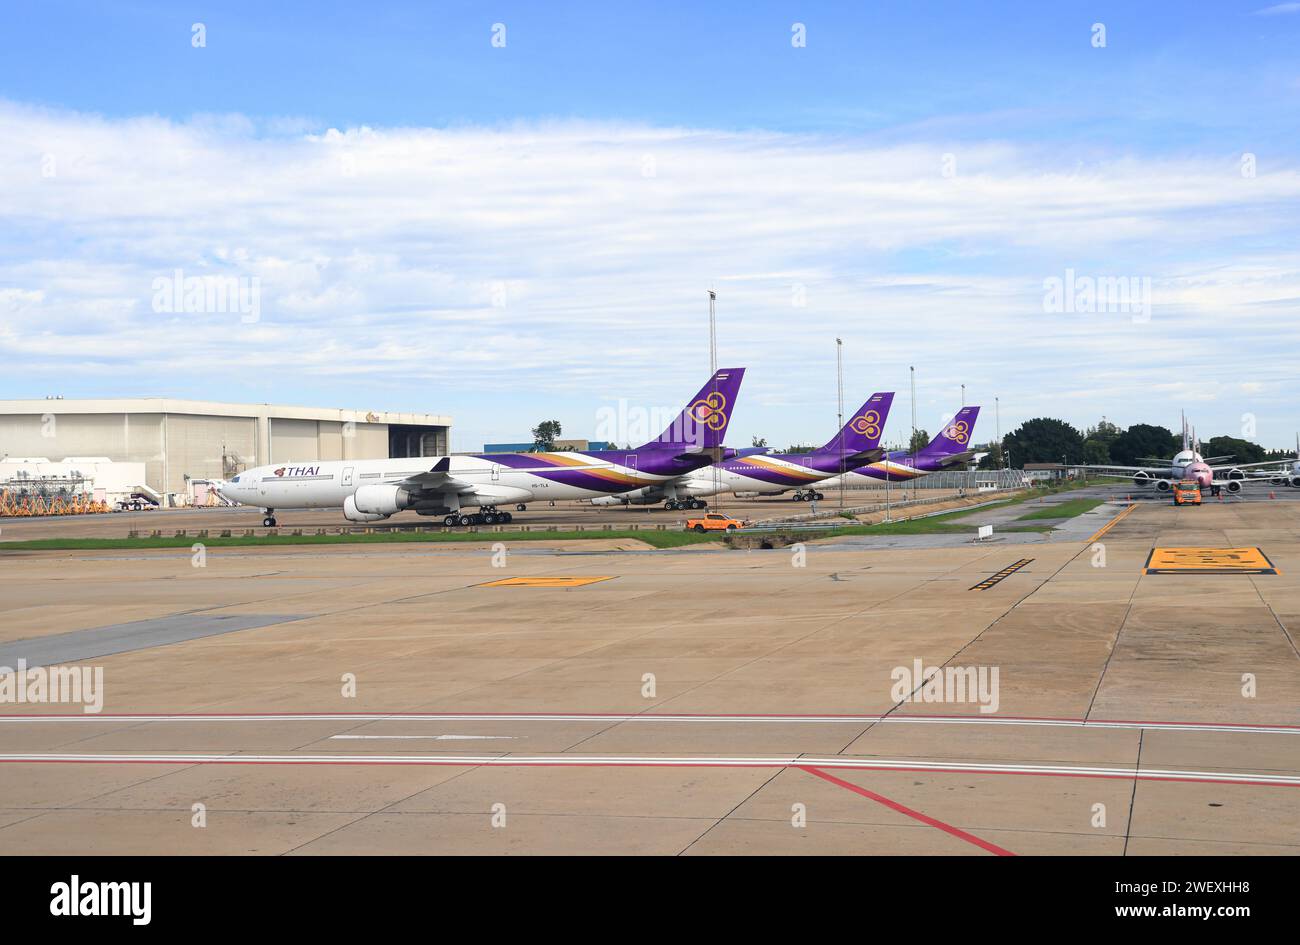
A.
x: 381, y: 699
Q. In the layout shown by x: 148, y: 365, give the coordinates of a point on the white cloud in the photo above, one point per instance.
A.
x: 471, y: 262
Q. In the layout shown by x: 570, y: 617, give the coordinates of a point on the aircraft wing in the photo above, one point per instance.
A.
x: 952, y: 459
x: 1267, y: 462
x: 865, y: 456
x: 1156, y: 472
x: 438, y: 477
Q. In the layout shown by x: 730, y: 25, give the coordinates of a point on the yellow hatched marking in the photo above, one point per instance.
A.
x: 1002, y: 575
x: 548, y: 581
x: 1208, y: 561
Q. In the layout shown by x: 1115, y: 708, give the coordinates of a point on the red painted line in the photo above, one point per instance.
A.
x: 914, y: 814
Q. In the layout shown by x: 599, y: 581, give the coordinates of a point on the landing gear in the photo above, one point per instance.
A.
x: 809, y: 496
x: 486, y: 516
x: 673, y: 505
x: 521, y: 507
x: 269, y: 521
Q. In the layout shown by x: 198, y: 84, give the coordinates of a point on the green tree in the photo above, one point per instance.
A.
x: 1095, y: 452
x: 1097, y: 442
x: 759, y: 441
x: 1143, y: 441
x: 1241, y: 451
x: 545, y: 434
x: 919, y: 441
x: 1044, y: 440
x: 993, y: 458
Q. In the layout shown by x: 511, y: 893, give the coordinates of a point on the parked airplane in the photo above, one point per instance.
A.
x: 372, y: 490
x: 1288, y: 475
x: 950, y: 447
x: 1188, y: 463
x: 762, y: 473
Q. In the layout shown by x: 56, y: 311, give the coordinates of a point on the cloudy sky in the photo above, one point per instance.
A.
x: 512, y: 212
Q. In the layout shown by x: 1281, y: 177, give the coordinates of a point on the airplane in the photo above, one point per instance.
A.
x: 761, y: 473
x: 1187, y: 463
x: 950, y: 447
x: 373, y: 490
x: 1282, y: 476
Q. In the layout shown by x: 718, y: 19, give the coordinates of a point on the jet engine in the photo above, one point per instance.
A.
x: 1295, y: 482
x: 1163, y: 485
x: 353, y: 514
x: 1141, y: 479
x: 381, y: 500
x: 1233, y: 486
x: 1235, y: 473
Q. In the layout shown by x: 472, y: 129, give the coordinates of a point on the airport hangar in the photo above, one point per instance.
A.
x: 198, y: 439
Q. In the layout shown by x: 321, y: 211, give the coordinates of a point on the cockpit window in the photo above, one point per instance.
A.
x: 236, y: 479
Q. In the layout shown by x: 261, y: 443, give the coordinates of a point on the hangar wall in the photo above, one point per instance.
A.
x: 204, y: 440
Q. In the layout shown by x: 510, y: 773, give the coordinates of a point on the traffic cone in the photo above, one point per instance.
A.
x: 1272, y: 494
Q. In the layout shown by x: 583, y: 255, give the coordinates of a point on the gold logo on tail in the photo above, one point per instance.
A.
x: 709, y: 411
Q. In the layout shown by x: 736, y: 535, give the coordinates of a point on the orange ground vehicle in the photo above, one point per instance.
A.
x: 714, y: 521
x: 1187, y: 492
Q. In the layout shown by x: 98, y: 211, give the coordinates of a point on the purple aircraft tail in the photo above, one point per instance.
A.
x: 956, y: 436
x: 863, y: 432
x: 703, y: 423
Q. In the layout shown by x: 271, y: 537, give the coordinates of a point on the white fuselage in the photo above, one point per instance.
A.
x: 718, y: 480
x: 475, y: 481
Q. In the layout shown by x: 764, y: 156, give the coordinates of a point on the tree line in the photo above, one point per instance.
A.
x: 1048, y: 440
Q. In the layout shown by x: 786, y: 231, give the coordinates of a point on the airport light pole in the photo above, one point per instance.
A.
x: 713, y: 332
x: 997, y: 420
x: 912, y: 443
x: 839, y: 390
x: 713, y: 369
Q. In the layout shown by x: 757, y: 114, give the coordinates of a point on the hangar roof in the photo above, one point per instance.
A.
x: 217, y: 409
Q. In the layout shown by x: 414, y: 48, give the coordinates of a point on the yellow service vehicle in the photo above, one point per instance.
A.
x: 1187, y: 492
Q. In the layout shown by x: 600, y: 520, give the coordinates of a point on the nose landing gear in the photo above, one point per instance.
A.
x: 269, y: 521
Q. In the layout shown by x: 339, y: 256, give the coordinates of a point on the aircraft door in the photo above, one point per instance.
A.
x: 347, y: 476
x: 496, y: 472
x: 630, y: 462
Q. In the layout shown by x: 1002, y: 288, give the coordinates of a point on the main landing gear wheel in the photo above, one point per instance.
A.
x: 465, y: 521
x: 449, y: 521
x: 520, y: 508
x: 672, y: 505
x: 818, y: 496
x: 698, y: 503
x: 269, y: 521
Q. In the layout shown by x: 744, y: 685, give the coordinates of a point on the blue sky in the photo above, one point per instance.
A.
x: 439, y: 224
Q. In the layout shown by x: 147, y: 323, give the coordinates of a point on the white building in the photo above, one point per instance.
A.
x: 176, y: 440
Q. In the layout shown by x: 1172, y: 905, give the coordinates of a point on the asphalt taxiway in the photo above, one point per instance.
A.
x: 384, y: 699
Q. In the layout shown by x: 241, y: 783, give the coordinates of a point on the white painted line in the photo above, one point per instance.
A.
x: 839, y: 762
x: 695, y: 719
x: 436, y: 738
